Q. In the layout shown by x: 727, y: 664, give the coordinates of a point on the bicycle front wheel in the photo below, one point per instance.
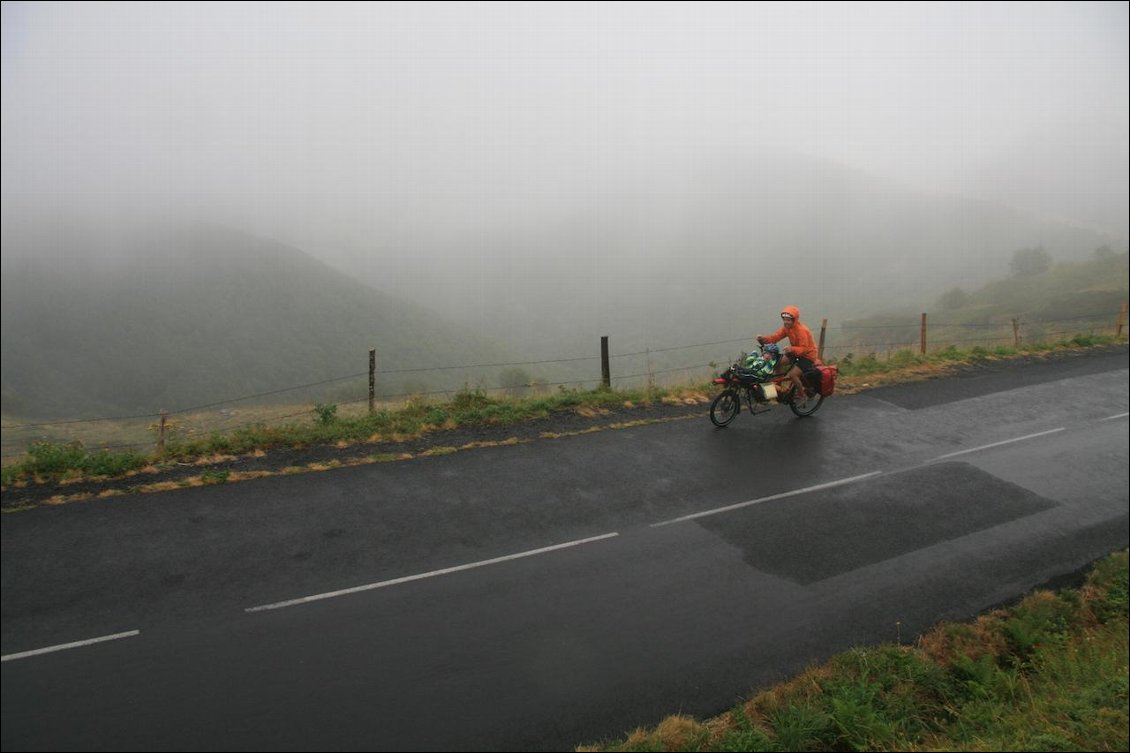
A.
x: 725, y: 407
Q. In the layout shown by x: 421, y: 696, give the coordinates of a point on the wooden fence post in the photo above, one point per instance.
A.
x: 605, y: 371
x: 1121, y: 319
x: 1016, y: 332
x: 922, y: 345
x: 161, y: 432
x: 372, y: 378
x: 823, y: 329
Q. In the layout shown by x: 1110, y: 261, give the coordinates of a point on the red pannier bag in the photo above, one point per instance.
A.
x: 828, y: 376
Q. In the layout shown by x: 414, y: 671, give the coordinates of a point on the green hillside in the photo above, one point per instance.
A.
x: 110, y: 324
x: 1067, y: 298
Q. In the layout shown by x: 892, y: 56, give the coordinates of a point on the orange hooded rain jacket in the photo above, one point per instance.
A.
x: 800, y: 336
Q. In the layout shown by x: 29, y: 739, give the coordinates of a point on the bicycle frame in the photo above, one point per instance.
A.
x: 753, y: 390
x: 759, y: 392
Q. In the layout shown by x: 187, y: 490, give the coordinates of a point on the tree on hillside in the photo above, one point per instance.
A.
x: 516, y: 381
x: 1030, y: 261
x: 415, y: 388
x: 954, y: 298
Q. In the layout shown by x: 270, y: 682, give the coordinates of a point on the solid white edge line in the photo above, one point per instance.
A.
x: 793, y: 493
x: 997, y: 444
x: 1111, y: 418
x: 432, y: 574
x: 65, y: 646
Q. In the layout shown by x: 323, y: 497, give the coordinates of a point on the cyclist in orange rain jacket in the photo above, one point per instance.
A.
x: 801, y: 351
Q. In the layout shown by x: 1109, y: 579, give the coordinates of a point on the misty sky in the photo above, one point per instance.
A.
x: 441, y: 117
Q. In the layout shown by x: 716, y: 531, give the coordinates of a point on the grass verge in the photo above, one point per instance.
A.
x: 908, y: 360
x: 1048, y: 674
x: 72, y: 461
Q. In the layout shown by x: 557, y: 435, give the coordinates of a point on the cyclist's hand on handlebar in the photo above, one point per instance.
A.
x: 760, y: 339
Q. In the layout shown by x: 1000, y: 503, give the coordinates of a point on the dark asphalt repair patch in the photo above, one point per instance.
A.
x: 815, y: 536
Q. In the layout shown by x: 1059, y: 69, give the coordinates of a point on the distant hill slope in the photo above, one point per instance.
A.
x: 684, y: 251
x: 1069, y: 297
x: 97, y: 322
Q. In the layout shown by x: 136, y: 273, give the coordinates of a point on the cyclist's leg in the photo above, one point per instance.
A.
x: 799, y: 374
x: 797, y: 378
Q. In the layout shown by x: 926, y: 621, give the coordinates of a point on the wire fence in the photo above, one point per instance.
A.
x: 659, y: 367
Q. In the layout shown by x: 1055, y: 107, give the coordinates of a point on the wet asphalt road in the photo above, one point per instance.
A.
x: 544, y: 595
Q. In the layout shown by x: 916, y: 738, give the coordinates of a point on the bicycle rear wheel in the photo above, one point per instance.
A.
x: 806, y: 406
